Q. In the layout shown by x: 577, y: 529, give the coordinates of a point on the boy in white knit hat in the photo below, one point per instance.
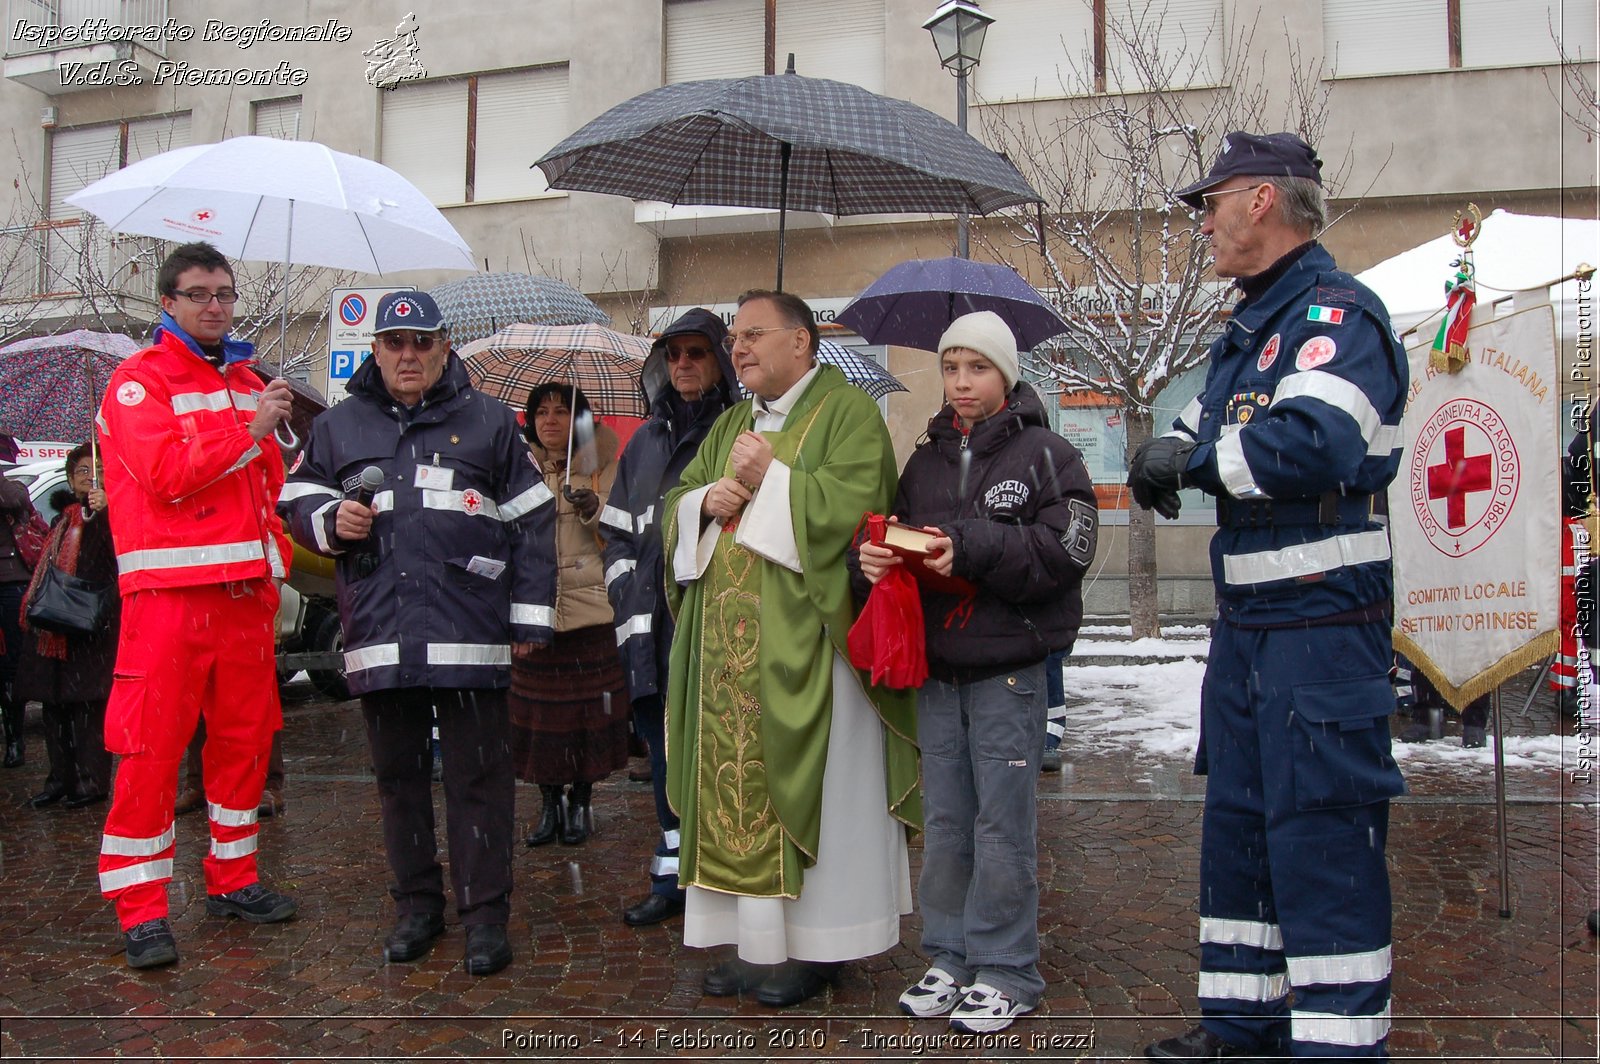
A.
x: 1014, y: 514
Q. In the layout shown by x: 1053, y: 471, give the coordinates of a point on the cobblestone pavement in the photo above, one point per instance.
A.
x: 1118, y: 868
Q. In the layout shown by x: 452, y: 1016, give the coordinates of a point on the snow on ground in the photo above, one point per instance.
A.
x: 1155, y: 708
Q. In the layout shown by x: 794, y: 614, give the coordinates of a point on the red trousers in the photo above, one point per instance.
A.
x: 184, y: 652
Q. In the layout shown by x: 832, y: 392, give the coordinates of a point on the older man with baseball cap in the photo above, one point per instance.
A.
x: 1295, y: 434
x: 422, y: 489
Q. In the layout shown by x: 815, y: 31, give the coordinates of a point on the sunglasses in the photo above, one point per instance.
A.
x: 693, y: 354
x: 399, y: 341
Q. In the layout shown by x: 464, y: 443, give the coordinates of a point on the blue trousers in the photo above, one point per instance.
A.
x: 979, y: 890
x: 1294, y: 890
x: 650, y: 721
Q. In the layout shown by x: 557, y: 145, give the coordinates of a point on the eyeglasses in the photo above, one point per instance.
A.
x: 693, y: 354
x: 1206, y: 198
x: 83, y: 471
x: 748, y: 336
x: 421, y: 342
x: 227, y: 297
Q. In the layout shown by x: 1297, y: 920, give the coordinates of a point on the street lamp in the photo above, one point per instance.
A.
x: 958, y: 28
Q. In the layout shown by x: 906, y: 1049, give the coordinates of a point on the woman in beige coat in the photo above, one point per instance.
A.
x: 569, y: 701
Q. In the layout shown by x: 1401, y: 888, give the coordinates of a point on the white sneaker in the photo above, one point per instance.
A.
x: 935, y: 995
x: 985, y: 1010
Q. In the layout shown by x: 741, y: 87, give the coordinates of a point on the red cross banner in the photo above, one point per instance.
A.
x: 1476, y: 508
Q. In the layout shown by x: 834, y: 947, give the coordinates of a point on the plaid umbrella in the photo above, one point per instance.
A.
x: 50, y: 386
x: 605, y: 364
x: 862, y: 372
x: 478, y: 305
x: 785, y: 141
x: 915, y: 302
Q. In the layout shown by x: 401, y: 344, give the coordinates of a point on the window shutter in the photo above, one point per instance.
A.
x: 277, y: 118
x: 714, y: 39
x: 1495, y: 33
x: 424, y: 131
x: 152, y: 136
x: 1033, y: 47
x: 79, y: 157
x: 521, y: 115
x: 1183, y: 38
x: 1385, y: 36
x: 838, y: 39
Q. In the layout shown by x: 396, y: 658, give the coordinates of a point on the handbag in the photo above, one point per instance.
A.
x: 67, y: 604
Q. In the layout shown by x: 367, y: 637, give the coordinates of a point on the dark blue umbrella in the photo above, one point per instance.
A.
x: 916, y: 301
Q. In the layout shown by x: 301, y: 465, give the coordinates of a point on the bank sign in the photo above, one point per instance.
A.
x: 351, y: 312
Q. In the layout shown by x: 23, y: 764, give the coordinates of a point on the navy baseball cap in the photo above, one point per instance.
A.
x: 408, y: 310
x: 1256, y: 155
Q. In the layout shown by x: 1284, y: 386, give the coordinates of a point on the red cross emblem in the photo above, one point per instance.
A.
x: 202, y: 215
x: 1465, y: 473
x: 471, y: 501
x: 1452, y: 479
x: 402, y: 309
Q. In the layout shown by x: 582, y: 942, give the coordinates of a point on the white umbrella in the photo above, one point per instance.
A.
x: 289, y: 201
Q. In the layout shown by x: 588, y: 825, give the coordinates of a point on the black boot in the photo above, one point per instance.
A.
x: 13, y: 726
x: 552, y: 818
x: 580, y: 819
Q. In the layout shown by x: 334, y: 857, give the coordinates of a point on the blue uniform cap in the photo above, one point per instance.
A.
x: 408, y: 310
x: 1256, y: 155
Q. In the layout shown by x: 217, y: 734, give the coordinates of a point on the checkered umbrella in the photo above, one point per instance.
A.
x: 604, y: 364
x: 860, y: 371
x: 50, y: 386
x: 785, y: 141
x: 478, y: 305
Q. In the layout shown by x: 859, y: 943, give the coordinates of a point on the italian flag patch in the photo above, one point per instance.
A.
x: 1331, y: 315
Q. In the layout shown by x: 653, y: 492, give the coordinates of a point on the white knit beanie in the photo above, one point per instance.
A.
x: 987, y: 333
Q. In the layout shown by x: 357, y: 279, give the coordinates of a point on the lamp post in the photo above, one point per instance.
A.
x: 958, y: 28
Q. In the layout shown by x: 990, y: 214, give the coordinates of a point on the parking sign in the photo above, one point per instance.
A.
x: 350, y: 314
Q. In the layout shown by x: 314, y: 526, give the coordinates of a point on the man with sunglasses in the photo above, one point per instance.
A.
x: 688, y: 377
x: 795, y: 777
x: 423, y: 490
x: 1295, y: 433
x: 191, y: 478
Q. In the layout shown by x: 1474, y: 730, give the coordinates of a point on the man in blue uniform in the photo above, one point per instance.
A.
x: 424, y: 491
x: 689, y: 379
x: 1296, y: 431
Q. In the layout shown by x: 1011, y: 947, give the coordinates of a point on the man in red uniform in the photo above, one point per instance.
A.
x: 192, y: 476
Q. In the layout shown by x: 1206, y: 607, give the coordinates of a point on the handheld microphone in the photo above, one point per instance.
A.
x: 371, y: 481
x: 366, y: 561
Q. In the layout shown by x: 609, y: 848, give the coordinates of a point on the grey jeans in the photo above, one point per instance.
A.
x: 979, y: 891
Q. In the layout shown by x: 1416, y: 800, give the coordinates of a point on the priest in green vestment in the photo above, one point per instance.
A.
x: 795, y: 779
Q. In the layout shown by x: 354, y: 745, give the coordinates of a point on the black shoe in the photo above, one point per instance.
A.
x: 1051, y: 761
x: 1473, y: 738
x: 1197, y: 1043
x: 412, y: 937
x: 254, y: 903
x: 579, y: 825
x: 271, y: 804
x: 733, y: 977
x: 150, y: 944
x: 48, y: 796
x: 795, y: 981
x: 552, y: 818
x: 78, y: 801
x: 13, y: 755
x: 652, y: 910
x: 488, y: 949
x: 1594, y: 921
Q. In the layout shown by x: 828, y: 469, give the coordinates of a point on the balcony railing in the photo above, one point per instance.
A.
x: 34, y: 26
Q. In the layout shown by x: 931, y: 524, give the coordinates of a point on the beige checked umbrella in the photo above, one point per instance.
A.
x: 604, y: 364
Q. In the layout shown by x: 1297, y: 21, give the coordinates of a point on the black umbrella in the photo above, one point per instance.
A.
x: 785, y: 141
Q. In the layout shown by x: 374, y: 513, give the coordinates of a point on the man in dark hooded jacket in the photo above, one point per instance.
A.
x: 690, y: 381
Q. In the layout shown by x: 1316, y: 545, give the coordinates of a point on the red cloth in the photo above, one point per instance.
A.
x: 888, y: 640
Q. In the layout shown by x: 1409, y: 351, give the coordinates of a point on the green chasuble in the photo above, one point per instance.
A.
x: 750, y: 689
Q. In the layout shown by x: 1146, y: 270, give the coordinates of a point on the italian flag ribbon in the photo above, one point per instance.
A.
x: 1449, y: 352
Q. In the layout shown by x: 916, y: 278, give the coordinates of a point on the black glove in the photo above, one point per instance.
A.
x: 584, y: 501
x: 1157, y: 472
